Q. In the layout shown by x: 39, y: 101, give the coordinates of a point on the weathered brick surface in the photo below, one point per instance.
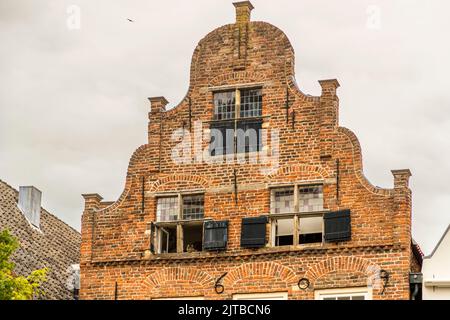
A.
x: 114, y: 238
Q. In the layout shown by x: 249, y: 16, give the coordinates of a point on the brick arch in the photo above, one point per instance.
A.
x: 339, y: 264
x: 240, y: 76
x: 254, y: 269
x: 196, y: 180
x: 196, y: 277
x: 300, y: 168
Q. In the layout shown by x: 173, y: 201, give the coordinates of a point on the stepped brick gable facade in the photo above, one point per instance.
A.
x: 181, y: 229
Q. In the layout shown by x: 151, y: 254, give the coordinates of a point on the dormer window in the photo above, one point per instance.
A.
x: 237, y: 122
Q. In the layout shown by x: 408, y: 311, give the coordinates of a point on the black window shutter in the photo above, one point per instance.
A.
x: 337, y: 226
x: 253, y: 232
x: 215, y: 235
x: 152, y: 237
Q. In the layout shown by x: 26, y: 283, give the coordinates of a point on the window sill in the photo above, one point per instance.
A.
x: 184, y: 222
x: 300, y: 246
x: 232, y: 157
x: 242, y: 251
x: 300, y: 214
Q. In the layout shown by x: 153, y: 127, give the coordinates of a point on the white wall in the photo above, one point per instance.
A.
x: 436, y: 269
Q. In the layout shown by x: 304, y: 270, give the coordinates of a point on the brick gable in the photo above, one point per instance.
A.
x: 312, y: 148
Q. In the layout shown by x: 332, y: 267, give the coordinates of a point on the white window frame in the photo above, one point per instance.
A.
x: 261, y: 296
x: 181, y: 298
x: 344, y: 292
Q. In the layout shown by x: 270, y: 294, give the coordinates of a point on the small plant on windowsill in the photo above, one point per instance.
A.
x: 190, y: 248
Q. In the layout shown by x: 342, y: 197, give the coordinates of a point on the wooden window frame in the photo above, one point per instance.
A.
x: 296, y: 215
x: 237, y: 118
x: 179, y: 223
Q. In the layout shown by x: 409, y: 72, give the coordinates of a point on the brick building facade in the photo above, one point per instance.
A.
x: 283, y: 213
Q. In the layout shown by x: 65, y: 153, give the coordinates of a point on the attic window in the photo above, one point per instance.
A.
x: 180, y: 207
x: 237, y: 122
x: 193, y: 207
x: 296, y: 215
x: 167, y: 209
x: 310, y: 198
x: 224, y: 105
x: 179, y: 224
x: 251, y: 103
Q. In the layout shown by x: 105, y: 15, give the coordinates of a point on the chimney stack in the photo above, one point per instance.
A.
x: 158, y: 104
x: 243, y: 11
x: 30, y: 204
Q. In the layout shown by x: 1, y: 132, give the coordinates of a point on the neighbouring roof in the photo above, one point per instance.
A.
x: 417, y: 252
x: 55, y: 246
x: 438, y: 244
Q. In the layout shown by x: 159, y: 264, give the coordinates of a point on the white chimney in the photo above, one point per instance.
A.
x: 30, y: 204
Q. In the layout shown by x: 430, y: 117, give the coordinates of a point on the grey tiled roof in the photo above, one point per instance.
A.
x: 56, y: 245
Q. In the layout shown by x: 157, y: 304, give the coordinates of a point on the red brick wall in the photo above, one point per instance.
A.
x: 114, y: 239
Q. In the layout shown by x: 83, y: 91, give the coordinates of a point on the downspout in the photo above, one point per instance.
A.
x: 416, y: 280
x: 415, y: 292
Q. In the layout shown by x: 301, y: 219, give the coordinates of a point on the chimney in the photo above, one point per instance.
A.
x: 243, y: 11
x: 30, y: 204
x: 158, y: 104
x: 401, y: 178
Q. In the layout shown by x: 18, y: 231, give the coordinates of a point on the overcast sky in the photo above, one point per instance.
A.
x: 73, y: 102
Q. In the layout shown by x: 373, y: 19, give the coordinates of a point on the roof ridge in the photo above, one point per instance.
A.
x: 438, y: 243
x: 8, y: 185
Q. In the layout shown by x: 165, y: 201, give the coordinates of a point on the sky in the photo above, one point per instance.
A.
x: 73, y: 97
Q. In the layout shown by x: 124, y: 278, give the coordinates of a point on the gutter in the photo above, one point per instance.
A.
x: 444, y: 283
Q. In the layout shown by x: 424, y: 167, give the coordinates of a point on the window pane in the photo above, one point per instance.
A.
x: 310, y: 230
x: 167, y: 209
x: 310, y: 198
x: 358, y: 298
x: 249, y: 136
x: 251, y: 103
x: 283, y: 201
x: 192, y: 238
x: 224, y: 105
x: 343, y: 298
x: 284, y: 232
x: 222, y: 138
x: 285, y: 227
x: 168, y: 240
x: 193, y: 207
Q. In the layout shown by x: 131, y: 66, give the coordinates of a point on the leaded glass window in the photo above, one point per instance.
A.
x: 251, y: 103
x: 167, y: 209
x: 310, y: 198
x: 283, y: 201
x: 224, y: 105
x: 241, y: 110
x: 193, y: 207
